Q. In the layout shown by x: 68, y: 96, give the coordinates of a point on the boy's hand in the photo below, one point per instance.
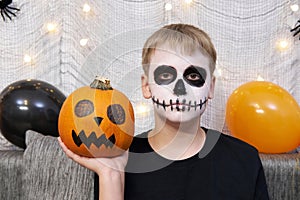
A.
x: 98, y: 165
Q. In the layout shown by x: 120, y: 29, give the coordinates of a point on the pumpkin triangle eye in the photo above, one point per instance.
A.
x: 98, y: 120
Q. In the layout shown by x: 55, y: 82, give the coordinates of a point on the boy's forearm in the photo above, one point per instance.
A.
x: 111, y: 185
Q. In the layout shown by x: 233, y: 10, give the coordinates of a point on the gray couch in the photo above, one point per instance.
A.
x: 42, y: 171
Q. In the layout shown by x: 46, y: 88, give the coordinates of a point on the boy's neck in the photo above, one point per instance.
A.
x: 177, y: 141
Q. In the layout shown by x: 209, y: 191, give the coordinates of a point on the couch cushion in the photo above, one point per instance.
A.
x: 49, y: 174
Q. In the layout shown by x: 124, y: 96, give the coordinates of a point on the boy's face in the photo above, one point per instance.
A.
x: 180, y: 85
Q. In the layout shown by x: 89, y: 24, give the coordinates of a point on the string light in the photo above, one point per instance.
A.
x: 294, y: 7
x: 282, y: 44
x: 83, y: 41
x: 168, y: 6
x: 86, y: 8
x: 142, y: 109
x: 27, y: 59
x: 51, y: 27
x: 260, y: 78
x: 188, y: 1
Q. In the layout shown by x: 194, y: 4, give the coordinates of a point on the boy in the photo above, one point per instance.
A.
x: 179, y: 159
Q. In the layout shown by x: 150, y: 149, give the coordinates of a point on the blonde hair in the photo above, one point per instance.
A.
x: 184, y: 37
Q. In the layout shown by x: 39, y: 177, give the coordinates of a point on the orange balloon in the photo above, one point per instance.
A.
x: 264, y: 115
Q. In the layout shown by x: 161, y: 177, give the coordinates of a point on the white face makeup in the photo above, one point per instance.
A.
x: 179, y: 84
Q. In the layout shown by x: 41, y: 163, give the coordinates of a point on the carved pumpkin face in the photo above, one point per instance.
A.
x: 96, y: 123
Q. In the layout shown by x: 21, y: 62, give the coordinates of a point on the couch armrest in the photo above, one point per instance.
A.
x: 11, y: 174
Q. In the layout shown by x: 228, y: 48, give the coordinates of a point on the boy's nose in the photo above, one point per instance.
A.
x: 179, y: 88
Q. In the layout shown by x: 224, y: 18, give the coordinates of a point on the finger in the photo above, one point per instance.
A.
x: 84, y: 161
x: 67, y: 151
x: 63, y: 146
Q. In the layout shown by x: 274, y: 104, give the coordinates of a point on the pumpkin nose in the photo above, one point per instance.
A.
x: 98, y: 120
x: 179, y: 88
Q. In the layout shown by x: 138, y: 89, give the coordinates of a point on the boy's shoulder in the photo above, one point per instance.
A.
x: 233, y: 142
x: 232, y: 148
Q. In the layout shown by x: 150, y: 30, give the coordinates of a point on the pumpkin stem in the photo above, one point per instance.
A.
x: 101, y: 83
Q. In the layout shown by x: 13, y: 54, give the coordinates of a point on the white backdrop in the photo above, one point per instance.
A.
x: 245, y: 34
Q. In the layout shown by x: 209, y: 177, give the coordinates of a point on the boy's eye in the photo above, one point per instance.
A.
x: 195, y: 76
x: 164, y: 74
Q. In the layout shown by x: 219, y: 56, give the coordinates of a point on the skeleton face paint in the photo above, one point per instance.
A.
x: 179, y: 84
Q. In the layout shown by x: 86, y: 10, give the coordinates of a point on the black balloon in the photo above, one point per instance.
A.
x: 29, y: 105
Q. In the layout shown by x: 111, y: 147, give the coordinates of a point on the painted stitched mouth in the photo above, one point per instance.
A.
x: 178, y: 105
x: 92, y: 139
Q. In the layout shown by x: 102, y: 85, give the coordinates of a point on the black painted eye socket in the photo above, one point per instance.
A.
x: 164, y: 74
x: 116, y: 114
x: 84, y: 108
x: 195, y: 76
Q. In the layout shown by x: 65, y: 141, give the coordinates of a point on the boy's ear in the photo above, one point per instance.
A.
x: 145, y: 87
x: 212, y: 88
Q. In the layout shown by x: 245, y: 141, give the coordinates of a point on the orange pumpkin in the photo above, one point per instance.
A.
x: 97, y: 120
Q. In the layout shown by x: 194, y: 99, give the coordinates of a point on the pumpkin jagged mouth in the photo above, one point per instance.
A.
x: 178, y: 105
x: 92, y: 139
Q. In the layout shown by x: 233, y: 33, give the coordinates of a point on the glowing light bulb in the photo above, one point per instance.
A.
x: 294, y: 7
x: 188, y: 1
x: 27, y: 58
x: 52, y: 27
x: 142, y: 108
x: 282, y: 44
x: 84, y: 41
x: 260, y: 78
x: 86, y: 8
x: 168, y: 6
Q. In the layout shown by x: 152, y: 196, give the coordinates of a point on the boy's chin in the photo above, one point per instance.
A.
x: 178, y: 116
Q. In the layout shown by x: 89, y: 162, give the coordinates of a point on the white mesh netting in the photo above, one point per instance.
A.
x: 244, y: 33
